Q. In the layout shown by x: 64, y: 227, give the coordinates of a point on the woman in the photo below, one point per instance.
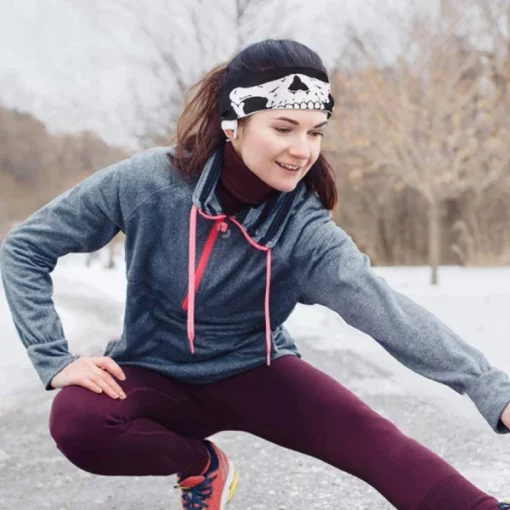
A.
x: 225, y: 233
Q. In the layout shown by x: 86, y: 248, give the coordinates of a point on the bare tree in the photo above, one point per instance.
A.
x: 176, y: 42
x: 436, y: 123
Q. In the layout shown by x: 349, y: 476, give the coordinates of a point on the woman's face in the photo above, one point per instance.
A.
x: 269, y: 139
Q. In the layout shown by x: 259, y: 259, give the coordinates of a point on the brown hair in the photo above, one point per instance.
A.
x: 199, y: 134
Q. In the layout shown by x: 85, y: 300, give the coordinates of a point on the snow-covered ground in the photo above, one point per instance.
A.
x: 473, y: 302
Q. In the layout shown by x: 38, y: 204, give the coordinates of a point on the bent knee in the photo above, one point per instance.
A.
x: 77, y: 424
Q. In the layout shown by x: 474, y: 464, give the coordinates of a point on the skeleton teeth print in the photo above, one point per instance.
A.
x: 296, y: 91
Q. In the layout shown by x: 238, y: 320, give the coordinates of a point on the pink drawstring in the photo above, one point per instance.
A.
x: 268, y: 287
x: 191, y: 278
x: 268, y: 317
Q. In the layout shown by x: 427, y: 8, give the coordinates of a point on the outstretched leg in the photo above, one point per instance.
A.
x: 297, y: 406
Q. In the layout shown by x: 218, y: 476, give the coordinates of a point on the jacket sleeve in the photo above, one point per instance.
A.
x: 335, y: 274
x: 83, y: 219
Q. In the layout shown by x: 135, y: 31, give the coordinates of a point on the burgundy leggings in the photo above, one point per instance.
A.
x: 157, y: 430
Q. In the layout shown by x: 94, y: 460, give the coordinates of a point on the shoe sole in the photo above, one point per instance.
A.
x: 230, y: 486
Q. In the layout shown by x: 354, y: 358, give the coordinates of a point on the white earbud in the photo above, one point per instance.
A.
x: 230, y: 124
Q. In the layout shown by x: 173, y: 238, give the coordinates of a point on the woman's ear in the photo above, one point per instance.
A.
x: 229, y: 133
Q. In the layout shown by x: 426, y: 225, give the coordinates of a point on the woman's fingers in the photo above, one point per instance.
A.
x: 106, y: 382
x: 93, y: 374
x: 107, y: 363
x: 91, y: 385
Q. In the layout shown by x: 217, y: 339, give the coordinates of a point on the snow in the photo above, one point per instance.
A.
x: 474, y: 302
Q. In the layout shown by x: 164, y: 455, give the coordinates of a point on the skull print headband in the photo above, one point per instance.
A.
x: 300, y: 88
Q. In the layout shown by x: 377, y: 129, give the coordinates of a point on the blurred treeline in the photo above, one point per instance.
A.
x: 421, y: 143
x: 420, y: 140
x: 36, y: 166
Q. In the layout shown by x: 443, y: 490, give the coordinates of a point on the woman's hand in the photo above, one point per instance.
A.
x: 505, y: 417
x: 92, y: 373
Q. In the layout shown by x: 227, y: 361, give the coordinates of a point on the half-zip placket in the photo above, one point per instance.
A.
x: 220, y: 225
x: 195, y: 275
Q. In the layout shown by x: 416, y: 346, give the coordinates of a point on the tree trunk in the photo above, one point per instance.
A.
x: 434, y: 239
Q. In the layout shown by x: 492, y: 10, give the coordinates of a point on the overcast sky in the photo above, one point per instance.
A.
x: 65, y: 60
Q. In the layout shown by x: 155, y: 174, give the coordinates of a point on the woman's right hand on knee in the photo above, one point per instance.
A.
x: 92, y: 373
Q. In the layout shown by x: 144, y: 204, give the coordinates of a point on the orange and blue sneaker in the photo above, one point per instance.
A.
x: 214, y: 487
x: 504, y: 505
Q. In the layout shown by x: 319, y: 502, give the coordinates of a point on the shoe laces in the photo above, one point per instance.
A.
x: 194, y: 498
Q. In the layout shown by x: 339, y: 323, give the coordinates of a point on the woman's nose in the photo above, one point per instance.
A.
x: 300, y: 148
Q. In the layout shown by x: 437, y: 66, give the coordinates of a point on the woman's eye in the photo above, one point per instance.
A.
x: 288, y: 130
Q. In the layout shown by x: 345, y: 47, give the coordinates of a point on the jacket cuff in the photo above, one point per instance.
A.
x: 49, y: 359
x: 491, y: 395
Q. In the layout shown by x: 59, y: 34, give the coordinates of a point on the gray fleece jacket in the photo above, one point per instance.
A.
x: 207, y: 293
